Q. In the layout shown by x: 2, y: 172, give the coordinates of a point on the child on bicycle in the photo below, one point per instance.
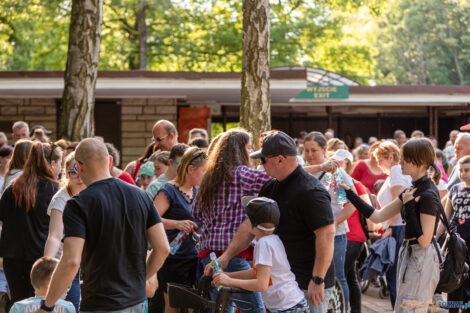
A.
x: 271, y: 272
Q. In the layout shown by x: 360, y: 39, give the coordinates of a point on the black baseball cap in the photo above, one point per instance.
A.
x: 278, y: 143
x: 46, y: 131
x: 261, y: 210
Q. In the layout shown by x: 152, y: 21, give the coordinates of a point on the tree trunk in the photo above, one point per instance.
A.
x: 76, y: 118
x: 255, y: 107
x: 142, y: 29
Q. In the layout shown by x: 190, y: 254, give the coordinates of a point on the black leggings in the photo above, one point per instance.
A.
x: 353, y: 251
x: 18, y: 273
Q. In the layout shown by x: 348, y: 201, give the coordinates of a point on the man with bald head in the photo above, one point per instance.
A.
x: 165, y: 135
x: 106, y: 229
x: 462, y: 148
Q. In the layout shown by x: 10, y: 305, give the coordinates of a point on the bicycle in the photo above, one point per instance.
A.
x: 184, y: 297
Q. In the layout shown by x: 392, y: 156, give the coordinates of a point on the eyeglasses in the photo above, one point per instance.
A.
x: 158, y: 139
x: 176, y: 162
x: 264, y: 159
x: 73, y: 174
x: 75, y: 168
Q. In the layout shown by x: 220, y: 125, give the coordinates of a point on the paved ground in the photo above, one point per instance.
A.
x: 372, y: 303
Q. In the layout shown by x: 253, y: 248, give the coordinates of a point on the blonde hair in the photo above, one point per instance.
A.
x: 65, y: 182
x: 192, y: 156
x: 387, y: 148
x: 335, y: 144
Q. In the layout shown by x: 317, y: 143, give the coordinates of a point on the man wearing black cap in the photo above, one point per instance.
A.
x: 306, y: 222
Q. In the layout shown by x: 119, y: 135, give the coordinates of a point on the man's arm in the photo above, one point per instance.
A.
x: 324, y: 242
x: 241, y: 241
x: 66, y: 269
x: 156, y: 236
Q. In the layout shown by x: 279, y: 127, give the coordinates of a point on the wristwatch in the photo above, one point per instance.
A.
x: 317, y: 280
x: 46, y: 308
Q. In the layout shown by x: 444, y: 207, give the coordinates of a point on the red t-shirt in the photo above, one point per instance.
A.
x: 125, y: 176
x: 363, y: 174
x: 355, y: 229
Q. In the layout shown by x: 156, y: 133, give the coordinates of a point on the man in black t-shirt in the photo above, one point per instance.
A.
x: 306, y: 224
x: 106, y: 229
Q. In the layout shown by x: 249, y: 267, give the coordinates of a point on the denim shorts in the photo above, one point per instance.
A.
x: 301, y: 307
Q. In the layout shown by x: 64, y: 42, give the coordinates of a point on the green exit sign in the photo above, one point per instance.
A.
x: 317, y: 92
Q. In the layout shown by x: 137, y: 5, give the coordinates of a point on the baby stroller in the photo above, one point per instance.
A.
x: 378, y: 281
x: 184, y: 297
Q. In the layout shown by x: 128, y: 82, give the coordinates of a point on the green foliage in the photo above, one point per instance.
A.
x: 217, y: 128
x: 187, y: 35
x: 425, y: 42
x: 33, y: 34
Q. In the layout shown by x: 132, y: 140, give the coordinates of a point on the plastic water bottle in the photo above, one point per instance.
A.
x: 340, y: 193
x: 177, y: 241
x: 216, y: 267
x: 195, y: 238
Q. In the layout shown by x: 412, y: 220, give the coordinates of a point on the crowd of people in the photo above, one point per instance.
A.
x: 284, y: 221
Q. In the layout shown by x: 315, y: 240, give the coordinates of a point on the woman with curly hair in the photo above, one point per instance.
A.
x: 228, y: 178
x: 218, y: 205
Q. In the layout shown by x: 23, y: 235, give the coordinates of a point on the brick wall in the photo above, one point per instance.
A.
x: 34, y: 111
x: 137, y: 119
x: 138, y: 115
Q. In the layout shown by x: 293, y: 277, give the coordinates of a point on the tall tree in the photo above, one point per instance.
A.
x: 255, y: 108
x: 142, y: 30
x: 76, y: 117
x: 425, y: 42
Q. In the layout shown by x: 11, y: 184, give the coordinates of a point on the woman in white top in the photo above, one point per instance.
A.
x: 18, y: 159
x: 70, y: 186
x: 388, y: 159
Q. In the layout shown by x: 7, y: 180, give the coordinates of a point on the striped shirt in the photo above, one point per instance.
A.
x: 223, y: 218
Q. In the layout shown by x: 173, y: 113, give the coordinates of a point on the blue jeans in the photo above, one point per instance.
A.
x: 321, y: 308
x: 235, y: 265
x: 138, y: 308
x: 398, y: 232
x: 73, y: 295
x: 339, y: 257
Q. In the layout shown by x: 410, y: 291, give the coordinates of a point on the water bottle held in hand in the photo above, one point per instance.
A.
x: 216, y: 267
x: 177, y: 241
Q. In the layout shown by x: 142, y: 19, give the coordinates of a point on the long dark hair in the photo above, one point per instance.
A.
x: 228, y: 153
x: 147, y: 153
x: 37, y: 167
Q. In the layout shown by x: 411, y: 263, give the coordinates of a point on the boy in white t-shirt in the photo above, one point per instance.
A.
x: 271, y: 272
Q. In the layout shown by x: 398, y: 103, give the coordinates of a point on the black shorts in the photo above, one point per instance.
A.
x: 181, y: 271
